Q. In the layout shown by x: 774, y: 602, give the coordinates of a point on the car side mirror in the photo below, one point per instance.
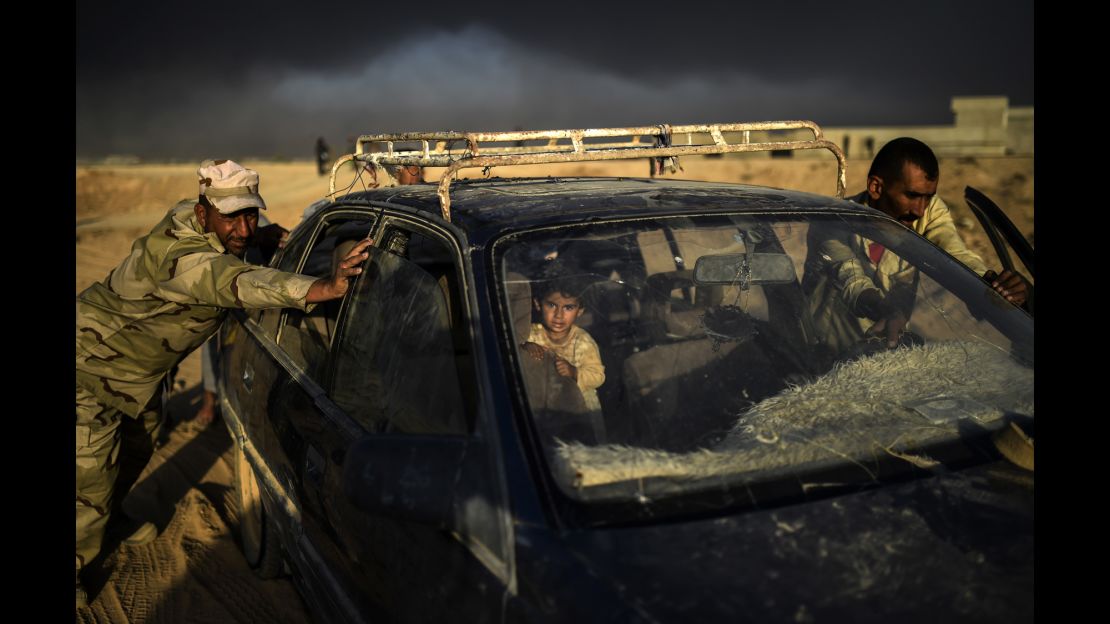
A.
x: 406, y: 477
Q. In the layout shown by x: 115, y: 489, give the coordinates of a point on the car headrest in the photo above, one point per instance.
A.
x: 520, y: 304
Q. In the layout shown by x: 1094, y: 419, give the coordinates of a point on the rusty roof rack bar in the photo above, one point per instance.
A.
x: 474, y: 154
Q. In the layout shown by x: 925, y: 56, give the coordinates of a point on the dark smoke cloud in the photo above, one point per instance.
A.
x: 169, y: 80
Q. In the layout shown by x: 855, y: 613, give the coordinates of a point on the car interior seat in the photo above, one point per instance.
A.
x: 691, y: 383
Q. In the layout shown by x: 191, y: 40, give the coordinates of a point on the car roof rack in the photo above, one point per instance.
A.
x: 564, y: 146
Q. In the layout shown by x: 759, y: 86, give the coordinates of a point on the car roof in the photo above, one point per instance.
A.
x: 484, y: 207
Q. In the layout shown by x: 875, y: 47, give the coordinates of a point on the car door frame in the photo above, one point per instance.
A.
x: 497, y: 559
x: 285, y: 501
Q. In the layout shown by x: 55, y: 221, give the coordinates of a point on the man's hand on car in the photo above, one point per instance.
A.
x: 1010, y: 284
x: 335, y: 286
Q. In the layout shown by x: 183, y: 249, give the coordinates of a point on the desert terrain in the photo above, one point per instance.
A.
x: 193, y: 571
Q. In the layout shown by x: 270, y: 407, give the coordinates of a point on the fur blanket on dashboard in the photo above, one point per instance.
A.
x: 889, y: 402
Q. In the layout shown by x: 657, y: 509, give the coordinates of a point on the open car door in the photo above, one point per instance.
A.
x: 1001, y: 232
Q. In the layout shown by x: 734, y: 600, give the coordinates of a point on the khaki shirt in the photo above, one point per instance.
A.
x: 838, y: 270
x: 580, y: 350
x: 164, y: 300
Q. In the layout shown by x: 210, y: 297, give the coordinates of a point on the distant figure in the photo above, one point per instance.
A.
x: 378, y: 176
x: 321, y: 156
x: 409, y: 174
x: 384, y: 176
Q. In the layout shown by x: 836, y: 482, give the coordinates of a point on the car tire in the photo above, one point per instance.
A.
x: 258, y: 536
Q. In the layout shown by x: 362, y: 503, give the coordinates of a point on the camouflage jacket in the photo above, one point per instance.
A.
x: 164, y: 300
x: 838, y: 270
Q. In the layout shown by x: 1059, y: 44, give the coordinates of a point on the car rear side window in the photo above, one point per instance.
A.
x: 401, y: 348
x: 307, y: 336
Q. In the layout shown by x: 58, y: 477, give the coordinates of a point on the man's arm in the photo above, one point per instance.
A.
x: 858, y: 289
x: 940, y: 229
x: 226, y: 281
x: 890, y: 318
x: 844, y: 262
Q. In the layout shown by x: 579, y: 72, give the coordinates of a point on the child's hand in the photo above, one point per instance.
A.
x: 565, y: 368
x: 535, y: 350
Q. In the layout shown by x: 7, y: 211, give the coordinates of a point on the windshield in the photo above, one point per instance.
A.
x: 662, y: 357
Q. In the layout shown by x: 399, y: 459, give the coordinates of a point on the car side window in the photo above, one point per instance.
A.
x: 306, y: 336
x: 402, y: 346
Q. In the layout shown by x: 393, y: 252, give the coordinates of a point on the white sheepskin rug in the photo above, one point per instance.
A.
x: 885, y: 403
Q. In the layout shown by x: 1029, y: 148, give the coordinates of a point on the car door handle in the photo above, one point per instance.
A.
x: 338, y: 455
x: 314, y: 465
x: 248, y: 377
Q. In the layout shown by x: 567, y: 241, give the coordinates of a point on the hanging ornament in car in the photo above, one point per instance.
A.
x: 727, y: 323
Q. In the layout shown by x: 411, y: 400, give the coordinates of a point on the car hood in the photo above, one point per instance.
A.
x: 953, y: 547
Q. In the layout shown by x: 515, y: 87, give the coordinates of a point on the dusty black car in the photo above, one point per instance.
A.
x: 408, y: 456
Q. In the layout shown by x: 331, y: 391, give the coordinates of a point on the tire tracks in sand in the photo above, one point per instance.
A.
x: 193, y: 571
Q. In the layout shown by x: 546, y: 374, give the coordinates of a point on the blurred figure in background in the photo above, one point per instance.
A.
x: 321, y: 156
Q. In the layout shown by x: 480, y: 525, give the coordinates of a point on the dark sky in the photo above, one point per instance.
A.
x: 170, y: 79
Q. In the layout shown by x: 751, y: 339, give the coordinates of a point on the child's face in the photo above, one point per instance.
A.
x: 559, y: 314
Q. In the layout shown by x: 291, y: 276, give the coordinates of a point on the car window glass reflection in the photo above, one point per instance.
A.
x: 307, y: 336
x: 396, y: 362
x: 741, y: 374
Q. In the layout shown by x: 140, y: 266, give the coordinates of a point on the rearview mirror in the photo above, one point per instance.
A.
x: 756, y: 268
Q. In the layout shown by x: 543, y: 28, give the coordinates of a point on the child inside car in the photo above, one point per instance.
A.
x: 559, y: 302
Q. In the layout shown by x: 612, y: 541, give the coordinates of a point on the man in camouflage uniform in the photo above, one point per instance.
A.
x: 209, y: 353
x: 164, y: 300
x: 855, y: 287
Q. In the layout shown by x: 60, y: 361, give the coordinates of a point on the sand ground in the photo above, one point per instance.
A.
x: 193, y: 571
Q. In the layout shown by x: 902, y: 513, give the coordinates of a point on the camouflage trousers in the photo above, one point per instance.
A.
x: 112, y: 450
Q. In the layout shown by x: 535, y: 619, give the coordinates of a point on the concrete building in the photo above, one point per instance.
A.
x: 983, y: 126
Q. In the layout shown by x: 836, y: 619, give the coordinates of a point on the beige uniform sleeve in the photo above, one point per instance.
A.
x: 846, y: 268
x: 226, y: 281
x: 940, y: 229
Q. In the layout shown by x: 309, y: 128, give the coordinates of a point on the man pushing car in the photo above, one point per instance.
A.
x: 163, y: 301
